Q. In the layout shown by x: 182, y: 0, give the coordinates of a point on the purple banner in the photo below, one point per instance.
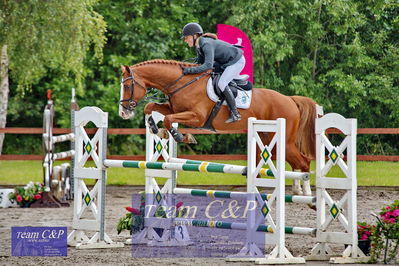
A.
x: 39, y: 241
x: 192, y: 226
x: 236, y: 36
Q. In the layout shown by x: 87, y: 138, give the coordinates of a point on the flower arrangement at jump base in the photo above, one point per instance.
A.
x: 134, y: 218
x: 25, y: 196
x: 364, y: 232
x: 385, y: 238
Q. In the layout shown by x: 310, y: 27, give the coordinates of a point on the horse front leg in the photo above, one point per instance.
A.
x: 164, y: 109
x: 187, y: 118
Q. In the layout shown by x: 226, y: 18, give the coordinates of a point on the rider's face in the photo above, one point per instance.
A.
x: 189, y: 39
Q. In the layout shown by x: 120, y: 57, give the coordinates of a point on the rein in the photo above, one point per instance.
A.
x: 185, y: 85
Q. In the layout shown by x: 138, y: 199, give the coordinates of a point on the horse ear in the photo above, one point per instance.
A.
x: 125, y: 69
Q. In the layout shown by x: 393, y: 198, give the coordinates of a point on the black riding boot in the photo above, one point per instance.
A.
x: 231, y: 103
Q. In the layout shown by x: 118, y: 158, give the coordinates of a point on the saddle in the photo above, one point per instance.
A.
x: 241, y: 83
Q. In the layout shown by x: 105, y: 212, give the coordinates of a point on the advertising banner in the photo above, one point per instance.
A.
x: 236, y: 36
x: 39, y: 241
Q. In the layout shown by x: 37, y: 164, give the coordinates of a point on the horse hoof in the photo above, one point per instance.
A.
x: 297, y: 191
x: 163, y: 133
x: 189, y: 138
x: 312, y: 206
x: 307, y: 193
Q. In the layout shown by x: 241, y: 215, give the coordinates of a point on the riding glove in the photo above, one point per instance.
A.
x: 186, y: 70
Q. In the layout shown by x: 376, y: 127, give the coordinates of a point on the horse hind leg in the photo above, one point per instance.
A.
x: 296, y: 185
x: 297, y: 189
x: 307, y: 191
x: 299, y: 163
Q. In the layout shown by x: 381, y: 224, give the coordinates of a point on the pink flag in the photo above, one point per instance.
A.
x: 236, y: 36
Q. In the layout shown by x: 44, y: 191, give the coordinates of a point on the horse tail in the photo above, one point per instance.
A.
x: 306, y: 137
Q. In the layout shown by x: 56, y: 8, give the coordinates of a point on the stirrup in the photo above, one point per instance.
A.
x: 233, y: 118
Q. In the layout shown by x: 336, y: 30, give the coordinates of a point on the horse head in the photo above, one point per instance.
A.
x: 132, y: 91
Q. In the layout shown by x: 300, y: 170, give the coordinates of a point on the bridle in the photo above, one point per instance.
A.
x: 131, y: 102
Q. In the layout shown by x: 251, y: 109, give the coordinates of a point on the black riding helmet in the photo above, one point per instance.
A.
x: 191, y: 29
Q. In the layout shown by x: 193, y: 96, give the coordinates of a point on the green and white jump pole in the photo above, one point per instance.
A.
x: 262, y: 172
x: 240, y: 195
x: 241, y: 226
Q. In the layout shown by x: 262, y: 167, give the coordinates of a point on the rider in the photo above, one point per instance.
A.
x: 212, y: 52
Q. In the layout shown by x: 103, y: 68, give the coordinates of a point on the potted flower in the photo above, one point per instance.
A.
x: 25, y: 196
x: 134, y: 218
x: 386, y: 235
x: 364, y: 232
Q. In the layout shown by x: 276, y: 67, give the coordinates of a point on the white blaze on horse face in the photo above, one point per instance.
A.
x: 123, y: 112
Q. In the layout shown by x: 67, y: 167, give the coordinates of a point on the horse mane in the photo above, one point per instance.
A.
x: 165, y: 62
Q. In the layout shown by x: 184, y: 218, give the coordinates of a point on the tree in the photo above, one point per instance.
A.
x: 45, y: 37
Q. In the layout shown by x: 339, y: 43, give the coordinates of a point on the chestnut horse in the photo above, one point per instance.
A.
x: 189, y: 105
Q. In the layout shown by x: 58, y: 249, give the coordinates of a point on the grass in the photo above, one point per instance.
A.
x: 368, y: 174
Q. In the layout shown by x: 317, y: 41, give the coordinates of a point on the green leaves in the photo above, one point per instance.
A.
x: 50, y: 35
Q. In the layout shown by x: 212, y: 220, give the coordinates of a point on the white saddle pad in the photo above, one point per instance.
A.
x: 243, y: 99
